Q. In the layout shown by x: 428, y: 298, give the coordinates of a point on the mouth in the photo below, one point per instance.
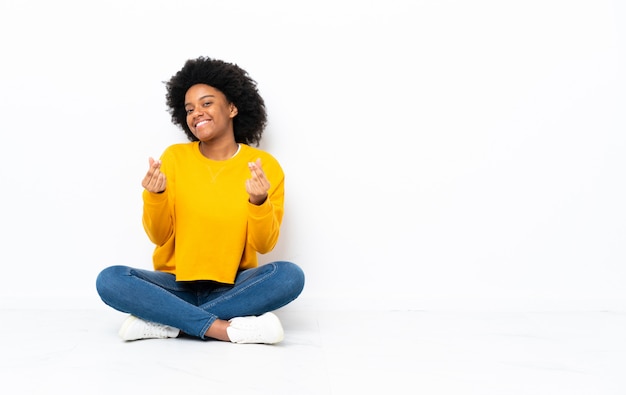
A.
x: 201, y: 123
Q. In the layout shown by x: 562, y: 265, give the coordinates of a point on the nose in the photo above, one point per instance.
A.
x: 196, y: 111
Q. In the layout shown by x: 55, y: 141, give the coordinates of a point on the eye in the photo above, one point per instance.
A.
x: 189, y: 110
x: 206, y: 104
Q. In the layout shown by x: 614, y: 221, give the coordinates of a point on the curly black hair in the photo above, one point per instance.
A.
x: 233, y: 82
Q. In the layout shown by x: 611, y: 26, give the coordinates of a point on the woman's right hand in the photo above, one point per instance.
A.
x: 154, y: 181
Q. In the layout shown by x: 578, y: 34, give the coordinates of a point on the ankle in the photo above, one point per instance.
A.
x: 218, y: 330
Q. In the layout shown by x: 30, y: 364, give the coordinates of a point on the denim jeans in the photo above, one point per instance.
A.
x: 193, y: 306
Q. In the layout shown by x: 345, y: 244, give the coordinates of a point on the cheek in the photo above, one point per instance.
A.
x: 189, y: 123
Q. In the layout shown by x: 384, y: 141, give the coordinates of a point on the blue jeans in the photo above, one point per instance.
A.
x: 193, y: 306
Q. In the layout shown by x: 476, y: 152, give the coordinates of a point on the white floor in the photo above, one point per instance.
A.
x: 324, y: 352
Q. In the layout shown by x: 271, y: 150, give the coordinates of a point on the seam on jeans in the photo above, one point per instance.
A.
x: 166, y: 291
x: 239, y: 291
x: 207, y: 326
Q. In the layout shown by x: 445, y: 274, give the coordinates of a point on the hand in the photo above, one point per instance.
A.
x: 258, y: 185
x: 154, y: 181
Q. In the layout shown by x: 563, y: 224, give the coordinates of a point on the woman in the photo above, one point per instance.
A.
x: 209, y: 206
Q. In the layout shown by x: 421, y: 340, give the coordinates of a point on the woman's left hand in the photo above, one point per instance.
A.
x: 258, y: 185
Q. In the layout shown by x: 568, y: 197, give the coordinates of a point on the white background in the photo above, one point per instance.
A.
x: 438, y: 154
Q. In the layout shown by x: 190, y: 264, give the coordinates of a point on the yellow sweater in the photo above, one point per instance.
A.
x: 203, y: 226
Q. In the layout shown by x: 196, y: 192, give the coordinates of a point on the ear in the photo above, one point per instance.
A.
x: 233, y: 110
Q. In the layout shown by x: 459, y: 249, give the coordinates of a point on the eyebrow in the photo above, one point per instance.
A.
x: 203, y: 97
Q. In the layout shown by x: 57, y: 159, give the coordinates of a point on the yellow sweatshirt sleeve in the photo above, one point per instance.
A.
x: 157, y: 218
x: 264, y: 220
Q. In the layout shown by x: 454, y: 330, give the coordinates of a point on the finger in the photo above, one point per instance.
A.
x: 155, y: 164
x: 156, y: 184
x: 160, y: 182
x: 154, y: 167
x: 255, y: 166
x: 257, y: 171
x: 258, y: 182
x: 154, y: 180
x: 255, y: 186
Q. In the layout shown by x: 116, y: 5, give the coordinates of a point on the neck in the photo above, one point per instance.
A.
x: 224, y: 152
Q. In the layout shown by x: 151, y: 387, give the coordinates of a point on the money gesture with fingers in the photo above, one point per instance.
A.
x: 154, y: 181
x: 257, y: 185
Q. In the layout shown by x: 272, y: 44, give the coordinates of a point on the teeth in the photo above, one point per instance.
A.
x: 201, y: 123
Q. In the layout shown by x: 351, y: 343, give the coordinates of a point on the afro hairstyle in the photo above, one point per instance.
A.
x: 233, y: 82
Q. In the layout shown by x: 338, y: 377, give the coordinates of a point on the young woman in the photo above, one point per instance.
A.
x: 209, y: 206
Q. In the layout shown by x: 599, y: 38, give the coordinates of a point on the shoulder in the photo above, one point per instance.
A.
x: 178, y: 149
x: 252, y: 153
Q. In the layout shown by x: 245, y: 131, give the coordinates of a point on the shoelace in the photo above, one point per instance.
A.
x: 154, y: 329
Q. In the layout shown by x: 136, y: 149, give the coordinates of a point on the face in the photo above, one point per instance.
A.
x: 209, y: 114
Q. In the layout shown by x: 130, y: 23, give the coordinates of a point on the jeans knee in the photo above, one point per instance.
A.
x: 293, y: 277
x: 106, y: 280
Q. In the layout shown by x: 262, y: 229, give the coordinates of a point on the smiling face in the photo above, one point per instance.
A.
x: 209, y: 114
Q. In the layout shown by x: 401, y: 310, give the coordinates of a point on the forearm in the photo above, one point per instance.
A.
x: 264, y: 226
x: 157, y: 219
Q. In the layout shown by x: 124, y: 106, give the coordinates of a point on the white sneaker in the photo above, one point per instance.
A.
x: 135, y: 328
x: 264, y: 329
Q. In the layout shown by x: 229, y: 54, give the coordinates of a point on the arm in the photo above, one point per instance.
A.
x: 265, y: 208
x: 156, y: 219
